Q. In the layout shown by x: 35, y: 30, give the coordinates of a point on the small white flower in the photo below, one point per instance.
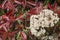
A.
x: 36, y: 33
x: 41, y: 32
x: 46, y: 18
x: 33, y: 31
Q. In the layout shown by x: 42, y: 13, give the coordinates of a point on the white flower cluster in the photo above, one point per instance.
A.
x: 49, y: 38
x: 37, y: 33
x: 46, y: 18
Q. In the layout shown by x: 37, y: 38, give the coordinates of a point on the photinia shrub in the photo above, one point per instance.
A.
x: 15, y: 16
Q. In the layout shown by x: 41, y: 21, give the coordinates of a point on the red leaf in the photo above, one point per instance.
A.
x: 4, y: 36
x: 5, y: 17
x: 18, y: 2
x: 9, y: 5
x: 10, y: 13
x: 19, y: 17
x: 31, y: 3
x: 11, y: 34
x: 12, y: 18
x: 12, y: 0
x: 36, y: 10
x: 50, y: 6
x: 32, y: 11
x: 1, y: 31
x: 0, y: 6
x: 3, y: 4
x: 23, y: 36
x: 24, y: 3
x: 5, y: 26
x: 55, y: 5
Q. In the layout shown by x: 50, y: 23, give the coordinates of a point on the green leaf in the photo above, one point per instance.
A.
x: 46, y: 2
x: 18, y: 36
x: 1, y: 12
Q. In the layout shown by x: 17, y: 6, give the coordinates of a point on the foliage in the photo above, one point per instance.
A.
x: 15, y: 15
